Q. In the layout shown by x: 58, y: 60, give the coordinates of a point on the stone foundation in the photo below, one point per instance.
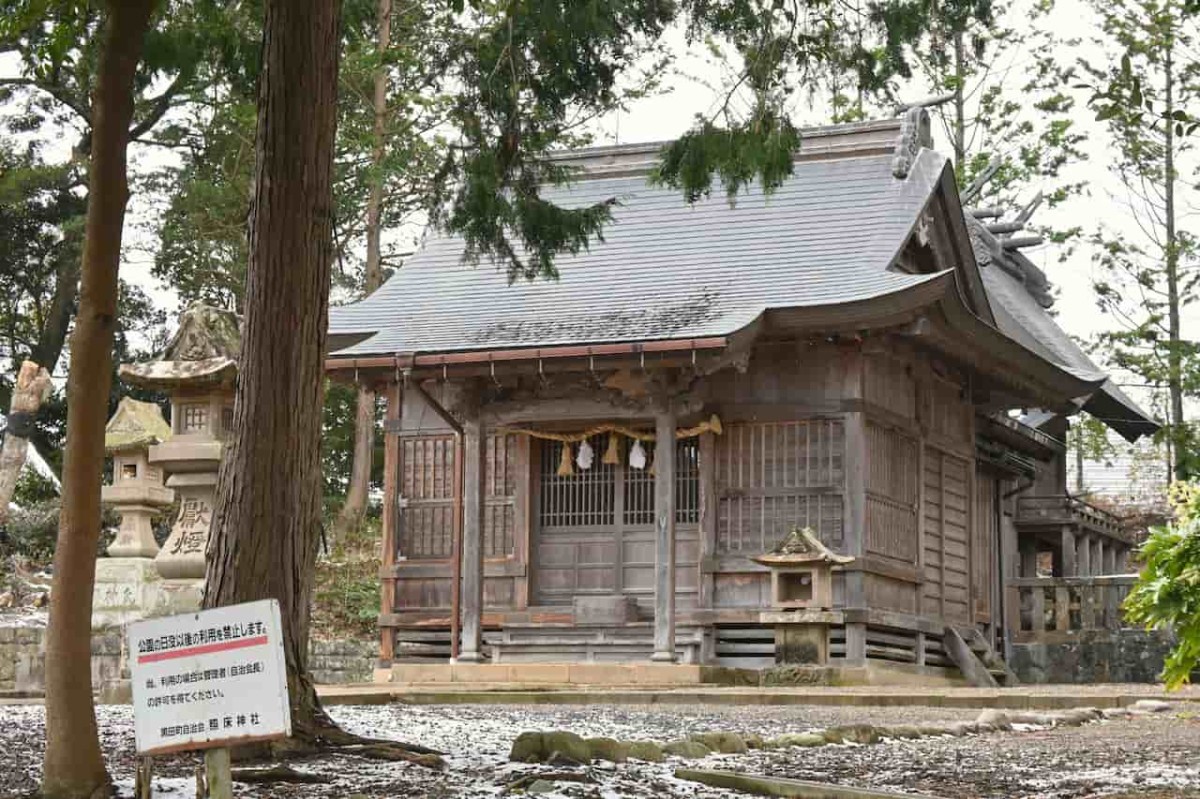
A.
x: 23, y: 661
x: 1097, y: 656
x: 342, y: 661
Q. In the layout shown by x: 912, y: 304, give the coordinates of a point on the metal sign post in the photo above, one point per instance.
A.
x: 210, y: 680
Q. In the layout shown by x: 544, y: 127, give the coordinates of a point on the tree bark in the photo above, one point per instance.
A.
x: 364, y: 421
x: 32, y: 388
x: 74, y: 765
x: 1178, y: 433
x: 267, y: 520
x: 53, y: 334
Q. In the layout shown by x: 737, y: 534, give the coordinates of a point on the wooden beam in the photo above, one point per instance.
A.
x: 664, y: 537
x: 392, y: 519
x: 474, y: 444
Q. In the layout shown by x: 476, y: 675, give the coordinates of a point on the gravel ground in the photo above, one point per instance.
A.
x: 1156, y: 755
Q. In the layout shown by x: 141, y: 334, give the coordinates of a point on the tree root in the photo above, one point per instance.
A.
x: 275, y: 774
x: 549, y: 776
x: 344, y: 743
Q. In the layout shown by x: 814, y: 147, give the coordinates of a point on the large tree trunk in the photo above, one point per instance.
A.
x: 267, y: 520
x: 32, y: 388
x: 74, y: 765
x: 364, y: 421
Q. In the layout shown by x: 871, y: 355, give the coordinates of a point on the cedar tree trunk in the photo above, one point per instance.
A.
x: 74, y: 765
x: 364, y: 421
x: 32, y: 388
x: 267, y: 521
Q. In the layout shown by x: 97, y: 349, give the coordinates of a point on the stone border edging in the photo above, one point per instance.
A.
x: 563, y: 747
x: 780, y: 786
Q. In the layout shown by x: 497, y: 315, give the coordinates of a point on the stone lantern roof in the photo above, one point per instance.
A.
x: 135, y: 425
x: 801, y: 546
x: 203, y: 351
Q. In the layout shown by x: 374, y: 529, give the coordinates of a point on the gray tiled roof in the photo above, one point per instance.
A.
x: 665, y: 269
x: 1020, y: 315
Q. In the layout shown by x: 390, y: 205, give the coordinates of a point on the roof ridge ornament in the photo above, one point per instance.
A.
x: 916, y: 132
x: 801, y: 545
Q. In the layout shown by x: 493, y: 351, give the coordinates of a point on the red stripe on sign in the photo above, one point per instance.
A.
x: 223, y: 646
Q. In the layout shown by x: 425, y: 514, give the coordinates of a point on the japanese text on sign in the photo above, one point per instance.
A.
x: 209, y: 679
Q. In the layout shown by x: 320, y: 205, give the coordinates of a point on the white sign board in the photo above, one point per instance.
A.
x: 208, y: 679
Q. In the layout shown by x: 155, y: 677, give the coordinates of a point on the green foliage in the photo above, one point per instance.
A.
x: 33, y: 489
x: 1088, y: 437
x: 337, y: 441
x: 1148, y: 271
x: 346, y: 596
x: 202, y: 234
x: 31, y: 532
x: 41, y: 227
x: 1167, y: 593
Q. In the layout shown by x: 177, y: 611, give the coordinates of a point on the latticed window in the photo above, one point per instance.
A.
x: 427, y: 470
x: 774, y: 476
x: 195, y: 418
x: 588, y: 497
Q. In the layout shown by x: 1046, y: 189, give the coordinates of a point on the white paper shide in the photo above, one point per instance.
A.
x: 212, y: 678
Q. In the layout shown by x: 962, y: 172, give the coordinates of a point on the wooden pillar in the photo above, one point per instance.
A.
x: 474, y: 444
x: 1029, y: 557
x: 855, y: 535
x: 664, y: 537
x: 1010, y: 564
x: 708, y: 515
x: 392, y: 519
x: 1067, y: 563
x: 1098, y: 557
x: 1110, y: 557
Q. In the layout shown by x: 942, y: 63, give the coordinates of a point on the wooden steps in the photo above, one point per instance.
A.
x: 977, y: 660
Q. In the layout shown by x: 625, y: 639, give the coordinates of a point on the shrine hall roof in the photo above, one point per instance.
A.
x: 666, y: 269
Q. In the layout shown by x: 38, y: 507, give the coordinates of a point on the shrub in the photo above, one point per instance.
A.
x: 1167, y: 592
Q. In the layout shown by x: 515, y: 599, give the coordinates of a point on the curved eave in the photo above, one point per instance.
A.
x: 882, y: 310
x: 1130, y: 422
x: 170, y: 375
x: 1009, y: 362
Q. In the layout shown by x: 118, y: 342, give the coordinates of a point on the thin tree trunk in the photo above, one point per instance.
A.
x: 960, y: 121
x: 74, y: 765
x: 32, y: 388
x: 364, y: 421
x: 1174, y: 354
x: 267, y: 520
x: 53, y: 334
x: 1079, y: 460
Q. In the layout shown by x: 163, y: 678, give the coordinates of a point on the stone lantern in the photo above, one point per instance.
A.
x: 801, y: 597
x: 137, y: 491
x: 197, y: 370
x: 127, y: 584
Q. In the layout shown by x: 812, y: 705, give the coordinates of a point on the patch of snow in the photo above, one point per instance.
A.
x: 24, y: 617
x: 163, y: 788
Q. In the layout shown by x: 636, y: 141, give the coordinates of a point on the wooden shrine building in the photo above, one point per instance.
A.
x: 852, y: 360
